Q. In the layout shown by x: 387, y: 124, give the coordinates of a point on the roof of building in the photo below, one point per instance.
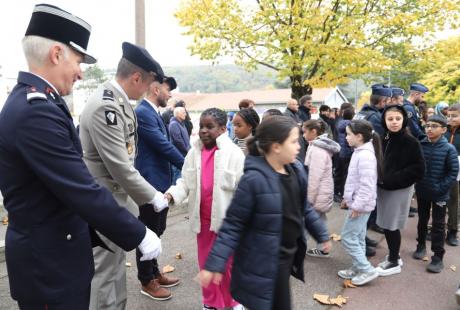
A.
x: 230, y: 100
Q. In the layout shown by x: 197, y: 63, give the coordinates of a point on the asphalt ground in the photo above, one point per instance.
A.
x: 414, y: 288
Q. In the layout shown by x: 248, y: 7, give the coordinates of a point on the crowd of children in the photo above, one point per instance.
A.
x: 250, y: 199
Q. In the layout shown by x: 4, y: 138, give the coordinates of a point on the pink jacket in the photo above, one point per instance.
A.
x: 360, y: 192
x: 320, y: 182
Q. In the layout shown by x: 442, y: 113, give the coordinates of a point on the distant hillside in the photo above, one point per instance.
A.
x: 221, y: 78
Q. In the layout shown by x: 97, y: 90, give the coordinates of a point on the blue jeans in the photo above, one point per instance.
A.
x: 354, y: 241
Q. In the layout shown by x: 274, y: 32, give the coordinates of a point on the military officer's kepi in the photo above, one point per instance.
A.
x: 381, y: 91
x: 141, y: 58
x: 53, y: 23
x: 418, y: 87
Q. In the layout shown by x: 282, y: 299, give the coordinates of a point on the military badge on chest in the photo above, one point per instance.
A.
x: 110, y: 117
x: 130, y: 148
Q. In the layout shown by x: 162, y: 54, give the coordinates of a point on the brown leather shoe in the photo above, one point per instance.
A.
x: 155, y: 291
x: 167, y: 281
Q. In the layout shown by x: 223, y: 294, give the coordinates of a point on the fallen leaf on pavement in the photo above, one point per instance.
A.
x: 453, y: 268
x: 336, y: 237
x: 338, y: 301
x: 178, y: 255
x: 128, y: 264
x: 347, y: 284
x: 5, y: 220
x: 324, y: 299
x: 425, y: 259
x: 168, y: 268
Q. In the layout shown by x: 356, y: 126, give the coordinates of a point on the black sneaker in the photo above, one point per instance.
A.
x: 436, y: 265
x: 371, y: 242
x: 451, y: 238
x: 338, y: 198
x: 412, y: 214
x: 420, y: 252
x: 370, y: 251
x: 413, y: 210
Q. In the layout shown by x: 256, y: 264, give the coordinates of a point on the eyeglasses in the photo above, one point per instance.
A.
x: 434, y: 126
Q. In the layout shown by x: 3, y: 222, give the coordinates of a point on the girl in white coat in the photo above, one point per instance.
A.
x: 211, y: 171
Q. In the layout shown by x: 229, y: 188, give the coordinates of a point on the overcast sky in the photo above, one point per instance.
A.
x: 112, y: 23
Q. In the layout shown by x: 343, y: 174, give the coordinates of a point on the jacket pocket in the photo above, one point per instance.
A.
x: 228, y: 180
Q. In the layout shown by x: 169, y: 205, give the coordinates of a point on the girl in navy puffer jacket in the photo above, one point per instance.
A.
x: 265, y: 221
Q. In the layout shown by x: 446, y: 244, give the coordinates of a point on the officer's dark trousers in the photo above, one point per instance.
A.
x: 148, y: 270
x: 340, y: 176
x: 452, y: 209
x: 78, y: 302
x: 438, y: 225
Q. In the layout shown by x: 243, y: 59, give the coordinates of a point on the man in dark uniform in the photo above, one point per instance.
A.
x: 416, y: 94
x: 397, y: 96
x: 381, y: 95
x: 52, y: 200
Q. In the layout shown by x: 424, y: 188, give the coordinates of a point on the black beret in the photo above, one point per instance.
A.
x: 171, y: 82
x: 141, y: 58
x: 53, y: 23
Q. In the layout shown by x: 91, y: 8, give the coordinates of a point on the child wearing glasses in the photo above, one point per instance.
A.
x: 441, y: 170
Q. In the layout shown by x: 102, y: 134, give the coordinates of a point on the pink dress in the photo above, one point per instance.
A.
x: 217, y: 296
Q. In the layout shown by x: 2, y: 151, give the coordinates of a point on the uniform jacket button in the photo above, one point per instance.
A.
x: 69, y: 236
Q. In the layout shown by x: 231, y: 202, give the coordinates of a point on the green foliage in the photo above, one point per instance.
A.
x: 222, y: 78
x: 316, y: 42
x: 92, y: 77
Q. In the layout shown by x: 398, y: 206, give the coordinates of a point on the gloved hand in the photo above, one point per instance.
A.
x: 150, y: 246
x: 159, y: 202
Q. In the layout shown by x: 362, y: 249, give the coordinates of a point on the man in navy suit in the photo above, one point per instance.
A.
x: 154, y: 159
x: 52, y: 200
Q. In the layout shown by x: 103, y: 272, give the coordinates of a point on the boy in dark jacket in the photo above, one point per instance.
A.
x: 441, y: 166
x: 453, y: 136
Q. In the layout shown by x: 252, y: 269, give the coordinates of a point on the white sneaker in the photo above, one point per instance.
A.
x: 388, y: 268
x: 364, y: 277
x: 346, y: 274
x: 400, y: 261
x: 238, y: 307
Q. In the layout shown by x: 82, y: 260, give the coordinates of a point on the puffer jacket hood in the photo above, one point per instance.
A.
x: 328, y: 144
x: 400, y: 109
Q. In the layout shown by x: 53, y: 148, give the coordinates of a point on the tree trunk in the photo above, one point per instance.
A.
x: 298, y: 89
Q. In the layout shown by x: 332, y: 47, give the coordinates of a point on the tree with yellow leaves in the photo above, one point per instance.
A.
x: 442, y: 67
x: 312, y: 42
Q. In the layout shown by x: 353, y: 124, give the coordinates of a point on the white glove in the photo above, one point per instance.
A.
x: 150, y: 246
x: 159, y: 202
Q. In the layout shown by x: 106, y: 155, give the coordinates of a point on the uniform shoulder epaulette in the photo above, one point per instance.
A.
x: 34, y: 94
x: 108, y: 95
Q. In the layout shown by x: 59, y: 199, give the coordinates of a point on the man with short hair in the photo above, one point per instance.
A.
x: 371, y: 112
x: 109, y: 140
x: 416, y: 95
x: 246, y: 104
x: 306, y: 103
x: 52, y: 200
x: 178, y: 132
x: 292, y: 111
x: 397, y: 96
x: 154, y: 161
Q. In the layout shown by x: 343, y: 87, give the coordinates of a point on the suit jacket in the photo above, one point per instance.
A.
x: 51, y: 198
x: 179, y: 136
x: 108, y: 135
x: 156, y: 152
